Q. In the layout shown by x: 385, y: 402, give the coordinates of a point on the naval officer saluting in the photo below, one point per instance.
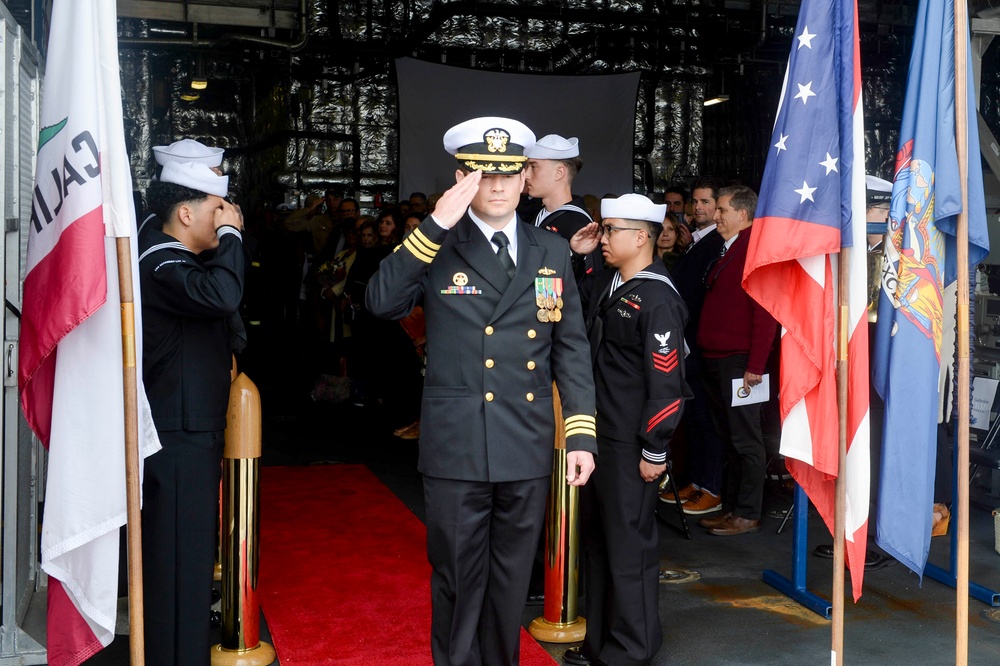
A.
x: 503, y: 321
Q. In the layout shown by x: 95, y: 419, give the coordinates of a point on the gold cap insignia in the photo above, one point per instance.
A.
x: 496, y: 140
x: 460, y: 279
x: 545, y: 270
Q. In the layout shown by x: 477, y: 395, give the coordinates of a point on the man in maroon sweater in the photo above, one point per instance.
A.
x: 735, y: 335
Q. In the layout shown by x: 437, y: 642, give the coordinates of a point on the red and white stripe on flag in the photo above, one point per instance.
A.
x: 813, y: 189
x: 70, y: 355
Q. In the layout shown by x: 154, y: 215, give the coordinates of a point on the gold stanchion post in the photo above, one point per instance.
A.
x: 560, y: 622
x: 217, y: 575
x: 241, y: 644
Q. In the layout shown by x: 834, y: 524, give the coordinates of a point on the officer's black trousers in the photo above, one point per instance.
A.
x: 621, y: 558
x: 481, y: 537
x: 180, y: 493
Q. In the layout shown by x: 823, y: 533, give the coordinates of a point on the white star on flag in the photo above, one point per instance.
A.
x: 805, y: 39
x: 806, y: 193
x: 830, y: 163
x: 781, y: 142
x: 805, y: 92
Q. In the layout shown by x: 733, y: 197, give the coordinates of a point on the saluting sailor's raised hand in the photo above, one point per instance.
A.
x: 587, y: 239
x: 452, y: 205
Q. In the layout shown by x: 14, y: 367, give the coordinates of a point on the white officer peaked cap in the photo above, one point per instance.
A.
x: 554, y: 147
x: 633, y: 207
x: 188, y: 150
x: 197, y: 176
x: 876, y: 184
x: 490, y: 144
x: 879, y: 190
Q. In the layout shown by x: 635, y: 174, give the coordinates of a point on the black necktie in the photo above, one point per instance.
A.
x: 722, y: 252
x: 501, y: 241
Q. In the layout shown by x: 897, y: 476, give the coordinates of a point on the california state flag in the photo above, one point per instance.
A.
x: 70, y: 363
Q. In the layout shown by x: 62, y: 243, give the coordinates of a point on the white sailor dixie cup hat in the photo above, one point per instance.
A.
x: 188, y: 150
x: 633, y: 207
x: 491, y: 144
x: 554, y: 147
x: 197, y: 176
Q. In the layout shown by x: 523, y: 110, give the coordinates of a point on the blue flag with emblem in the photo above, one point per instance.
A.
x: 919, y: 261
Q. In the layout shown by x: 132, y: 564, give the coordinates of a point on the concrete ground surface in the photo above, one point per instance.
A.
x: 727, y: 614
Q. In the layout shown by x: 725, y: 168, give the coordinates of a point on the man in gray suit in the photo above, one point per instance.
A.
x: 503, y: 321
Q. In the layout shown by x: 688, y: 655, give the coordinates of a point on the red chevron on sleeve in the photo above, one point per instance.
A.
x: 669, y: 410
x: 665, y: 364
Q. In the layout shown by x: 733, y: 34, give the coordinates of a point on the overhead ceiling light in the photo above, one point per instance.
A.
x: 199, y: 83
x: 719, y: 99
x: 190, y: 97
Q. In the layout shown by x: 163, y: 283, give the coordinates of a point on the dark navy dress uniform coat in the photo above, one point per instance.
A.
x: 637, y: 338
x: 187, y: 302
x: 487, y: 401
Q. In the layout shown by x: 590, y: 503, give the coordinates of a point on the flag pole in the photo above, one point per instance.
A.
x: 962, y: 316
x: 840, y: 512
x: 133, y: 488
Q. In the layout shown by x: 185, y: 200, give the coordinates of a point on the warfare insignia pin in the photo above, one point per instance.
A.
x: 460, y: 279
x: 545, y: 270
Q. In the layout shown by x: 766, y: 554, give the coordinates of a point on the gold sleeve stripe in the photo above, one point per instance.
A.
x: 581, y: 424
x: 420, y: 236
x: 419, y: 253
x: 581, y: 430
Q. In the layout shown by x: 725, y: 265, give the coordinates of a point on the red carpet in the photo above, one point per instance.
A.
x: 344, y: 577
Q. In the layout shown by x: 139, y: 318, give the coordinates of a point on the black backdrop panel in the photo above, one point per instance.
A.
x: 600, y: 110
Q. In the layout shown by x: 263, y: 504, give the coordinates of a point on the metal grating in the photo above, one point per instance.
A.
x: 247, y: 13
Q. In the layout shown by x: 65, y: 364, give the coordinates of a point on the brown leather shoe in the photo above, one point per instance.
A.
x: 734, y: 525
x: 715, y: 521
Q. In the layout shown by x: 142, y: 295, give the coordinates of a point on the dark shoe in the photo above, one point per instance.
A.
x: 535, y: 598
x: 216, y: 596
x: 574, y: 655
x: 735, y: 525
x: 216, y: 620
x: 875, y: 561
x: 715, y: 521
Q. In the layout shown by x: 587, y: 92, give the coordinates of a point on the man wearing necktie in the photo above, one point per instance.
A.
x: 503, y: 321
x: 735, y: 335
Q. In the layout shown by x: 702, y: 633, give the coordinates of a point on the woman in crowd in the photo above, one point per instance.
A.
x: 390, y: 227
x: 668, y: 244
x: 412, y: 221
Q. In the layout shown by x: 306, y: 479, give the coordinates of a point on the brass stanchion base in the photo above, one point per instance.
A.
x: 262, y: 655
x: 217, y: 576
x: 558, y: 632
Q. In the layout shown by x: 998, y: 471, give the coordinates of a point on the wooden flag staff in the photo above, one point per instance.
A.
x: 840, y: 513
x: 133, y: 489
x: 962, y: 315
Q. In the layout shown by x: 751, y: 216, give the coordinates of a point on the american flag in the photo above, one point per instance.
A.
x: 811, y: 205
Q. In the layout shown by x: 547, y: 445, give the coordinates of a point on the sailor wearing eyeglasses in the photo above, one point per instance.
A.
x: 635, y: 322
